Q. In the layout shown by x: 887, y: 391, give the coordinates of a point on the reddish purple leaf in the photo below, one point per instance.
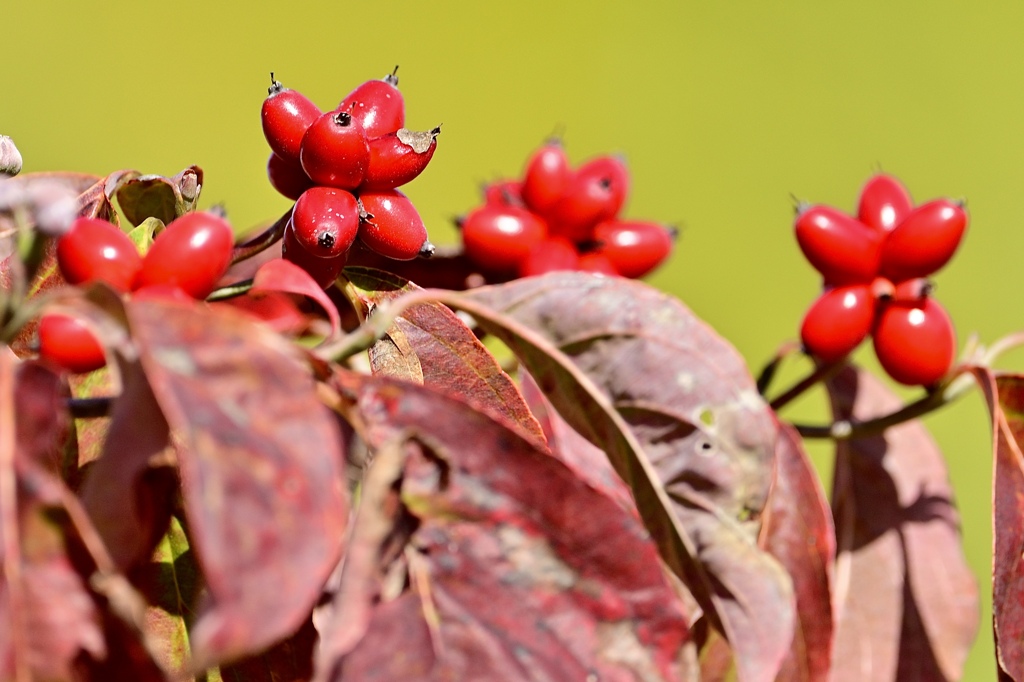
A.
x: 906, y: 602
x: 798, y: 531
x: 518, y: 569
x: 1005, y: 397
x: 284, y: 276
x: 260, y: 463
x: 47, y: 617
x: 675, y: 408
x: 449, y: 356
x: 287, y: 661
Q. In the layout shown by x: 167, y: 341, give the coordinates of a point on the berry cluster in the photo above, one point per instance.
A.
x: 556, y: 218
x: 185, y: 261
x: 874, y: 268
x: 343, y: 167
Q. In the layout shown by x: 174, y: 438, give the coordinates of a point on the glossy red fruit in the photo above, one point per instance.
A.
x: 162, y: 292
x: 596, y: 193
x: 94, y: 250
x: 925, y: 241
x: 325, y: 221
x: 596, y: 263
x: 397, y: 158
x: 838, y: 322
x: 915, y: 342
x: 912, y: 290
x: 498, y: 238
x: 550, y: 255
x: 843, y: 249
x: 547, y: 177
x: 192, y: 253
x: 324, y: 271
x: 286, y: 116
x: 68, y: 343
x: 634, y: 247
x: 884, y: 202
x: 392, y: 227
x: 335, y: 151
x: 504, y: 193
x: 377, y: 106
x: 287, y: 177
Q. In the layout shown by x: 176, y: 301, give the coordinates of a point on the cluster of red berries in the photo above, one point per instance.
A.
x: 184, y: 262
x: 874, y: 268
x: 343, y: 167
x: 556, y: 218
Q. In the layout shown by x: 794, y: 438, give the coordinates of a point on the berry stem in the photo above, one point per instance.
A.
x: 821, y: 373
x: 849, y: 430
x: 231, y: 290
x: 263, y: 240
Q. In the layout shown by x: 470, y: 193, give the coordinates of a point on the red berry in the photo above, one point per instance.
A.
x: 550, y: 255
x: 915, y: 342
x: 391, y: 226
x: 377, y: 106
x: 884, y: 203
x: 504, y: 193
x: 286, y: 115
x: 162, y: 292
x: 397, y: 158
x: 498, y: 238
x: 924, y: 241
x: 287, y: 176
x: 843, y: 249
x: 597, y: 263
x: 324, y: 271
x: 547, y: 177
x: 634, y: 247
x: 95, y: 250
x: 335, y: 151
x: 325, y: 221
x: 68, y: 343
x: 192, y: 253
x: 912, y: 290
x: 838, y: 322
x: 596, y: 193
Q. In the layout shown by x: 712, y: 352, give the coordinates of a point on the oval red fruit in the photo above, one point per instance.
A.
x: 324, y: 271
x: 843, y: 249
x: 498, y: 238
x: 596, y: 193
x: 95, y: 250
x: 915, y: 342
x: 192, y: 253
x: 335, y: 151
x: 287, y: 176
x: 68, y: 343
x: 925, y: 241
x: 377, y: 106
x: 550, y: 255
x: 286, y: 116
x: 634, y: 247
x: 597, y: 263
x: 397, y: 158
x: 504, y: 193
x: 392, y: 227
x: 838, y: 321
x: 884, y: 202
x: 325, y: 221
x: 547, y: 177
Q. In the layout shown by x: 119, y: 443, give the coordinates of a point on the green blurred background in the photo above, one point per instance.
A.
x: 724, y: 110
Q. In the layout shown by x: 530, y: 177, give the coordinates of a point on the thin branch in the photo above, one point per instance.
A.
x: 263, y: 241
x: 764, y: 379
x: 231, y: 291
x: 820, y: 373
x: 851, y: 429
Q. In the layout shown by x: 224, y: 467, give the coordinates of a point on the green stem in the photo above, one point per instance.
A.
x: 231, y: 291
